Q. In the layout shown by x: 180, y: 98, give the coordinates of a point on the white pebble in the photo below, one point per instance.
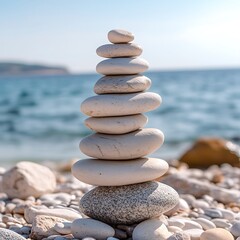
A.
x: 206, y: 224
x: 194, y: 233
x: 221, y: 223
x: 189, y: 224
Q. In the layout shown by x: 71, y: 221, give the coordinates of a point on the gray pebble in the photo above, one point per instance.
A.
x: 128, y: 204
x: 213, y: 213
x: 235, y: 229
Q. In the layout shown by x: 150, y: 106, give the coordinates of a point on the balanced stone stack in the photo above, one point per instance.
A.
x: 126, y: 192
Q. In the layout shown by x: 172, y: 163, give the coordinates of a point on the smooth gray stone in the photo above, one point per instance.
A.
x: 122, y: 84
x: 6, y: 234
x: 128, y: 204
x: 86, y: 227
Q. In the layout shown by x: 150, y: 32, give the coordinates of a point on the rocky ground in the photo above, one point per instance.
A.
x: 209, y: 206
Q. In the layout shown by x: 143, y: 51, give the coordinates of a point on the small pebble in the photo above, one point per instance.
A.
x: 200, y: 204
x: 63, y: 227
x: 179, y: 236
x: 206, y: 224
x: 235, y: 229
x: 174, y: 229
x: 216, y: 234
x: 221, y: 223
x: 189, y: 224
x: 213, y: 213
x: 194, y: 233
x: 176, y: 222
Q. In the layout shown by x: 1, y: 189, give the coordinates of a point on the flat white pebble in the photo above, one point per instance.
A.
x: 206, y: 224
x: 194, y: 233
x: 227, y: 214
x: 122, y: 147
x: 174, y: 229
x: 190, y: 224
x: 98, y: 172
x: 122, y: 66
x: 176, y: 222
x: 119, y: 50
x: 120, y: 36
x: 221, y: 223
x: 109, y: 105
x: 116, y: 125
x: 200, y: 204
x: 122, y: 84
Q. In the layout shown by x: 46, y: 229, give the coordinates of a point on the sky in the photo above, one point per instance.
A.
x: 186, y: 34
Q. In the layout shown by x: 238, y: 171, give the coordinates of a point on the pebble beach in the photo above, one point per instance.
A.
x: 119, y: 192
x: 209, y: 206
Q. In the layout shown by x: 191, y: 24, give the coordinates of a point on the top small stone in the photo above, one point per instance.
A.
x: 120, y: 36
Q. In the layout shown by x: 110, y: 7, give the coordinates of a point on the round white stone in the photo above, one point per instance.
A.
x: 28, y: 179
x: 87, y: 227
x: 116, y: 125
x: 116, y: 173
x: 126, y: 146
x: 108, y: 105
x: 119, y: 50
x: 122, y: 66
x: 120, y: 36
x: 153, y: 229
x: 122, y: 84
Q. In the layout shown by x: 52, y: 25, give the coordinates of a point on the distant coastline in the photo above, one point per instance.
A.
x: 18, y: 69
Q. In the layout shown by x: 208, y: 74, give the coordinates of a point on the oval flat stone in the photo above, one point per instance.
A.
x: 116, y: 125
x: 119, y: 50
x: 122, y: 84
x: 128, y: 204
x: 122, y: 66
x: 216, y: 234
x: 125, y: 146
x: 120, y: 36
x: 108, y: 105
x: 91, y: 228
x: 153, y: 229
x: 116, y: 173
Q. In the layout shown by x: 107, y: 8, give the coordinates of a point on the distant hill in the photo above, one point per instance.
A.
x: 11, y: 68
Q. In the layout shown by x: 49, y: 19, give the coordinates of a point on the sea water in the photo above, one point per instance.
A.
x: 40, y: 116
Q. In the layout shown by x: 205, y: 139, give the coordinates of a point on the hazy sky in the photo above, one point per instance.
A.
x: 173, y: 34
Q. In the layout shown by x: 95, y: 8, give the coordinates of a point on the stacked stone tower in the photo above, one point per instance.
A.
x: 126, y: 192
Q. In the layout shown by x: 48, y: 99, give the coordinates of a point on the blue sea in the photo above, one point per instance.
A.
x: 40, y: 116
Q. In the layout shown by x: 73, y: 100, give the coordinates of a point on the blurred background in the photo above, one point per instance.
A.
x: 48, y: 59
